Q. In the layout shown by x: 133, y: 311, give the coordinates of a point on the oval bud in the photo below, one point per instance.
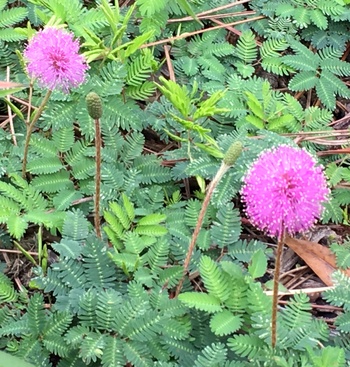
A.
x: 94, y: 105
x: 233, y: 152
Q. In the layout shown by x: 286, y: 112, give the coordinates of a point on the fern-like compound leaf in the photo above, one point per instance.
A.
x: 63, y: 139
x: 44, y: 166
x: 112, y: 75
x: 91, y: 348
x: 302, y: 17
x: 52, y: 182
x: 12, y: 16
x: 71, y: 273
x: 7, y: 291
x: 337, y: 296
x: 151, y: 230
x: 157, y: 255
x: 140, y: 68
x: 141, y: 92
x: 275, y: 65
x: 84, y: 169
x: 227, y: 227
x: 64, y: 199
x: 325, y: 92
x: 52, y: 283
x: 128, y: 312
x: 122, y: 216
x: 335, y: 84
x: 42, y: 146
x: 36, y: 314
x: 246, y: 345
x: 113, y: 352
x: 246, y: 48
x: 54, y: 345
x: 135, y: 244
x: 16, y: 225
x: 137, y: 353
x: 329, y: 356
x: 170, y: 276
x: 126, y: 115
x: 12, y: 192
x: 146, y: 326
x: 225, y: 323
x: 10, y: 35
x: 304, y: 80
x: 302, y: 62
x: 99, y: 268
x: 123, y: 260
x: 76, y: 226
x: 212, y: 355
x: 215, y: 280
x: 201, y: 301
x: 108, y: 304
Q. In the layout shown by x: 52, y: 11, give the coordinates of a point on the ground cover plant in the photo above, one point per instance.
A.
x: 154, y: 154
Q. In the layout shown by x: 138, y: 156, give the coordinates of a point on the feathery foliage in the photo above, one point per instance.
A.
x: 180, y: 81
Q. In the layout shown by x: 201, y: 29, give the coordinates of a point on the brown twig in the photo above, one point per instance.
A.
x: 296, y: 291
x: 208, y: 17
x: 231, y: 29
x: 223, y: 7
x: 169, y: 63
x: 222, y: 170
x: 12, y: 130
x: 189, y: 34
x: 30, y: 127
x: 33, y: 253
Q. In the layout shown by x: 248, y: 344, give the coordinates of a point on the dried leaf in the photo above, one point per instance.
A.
x: 319, y: 258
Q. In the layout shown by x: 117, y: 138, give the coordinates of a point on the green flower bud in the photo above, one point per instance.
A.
x: 94, y: 105
x: 233, y: 152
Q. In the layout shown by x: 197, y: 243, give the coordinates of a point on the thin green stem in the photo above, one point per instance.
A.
x: 275, y: 287
x: 98, y: 144
x: 30, y: 128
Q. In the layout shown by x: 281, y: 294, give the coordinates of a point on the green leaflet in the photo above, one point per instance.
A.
x: 225, y: 323
x: 7, y: 291
x: 9, y: 360
x: 201, y: 301
x: 215, y: 280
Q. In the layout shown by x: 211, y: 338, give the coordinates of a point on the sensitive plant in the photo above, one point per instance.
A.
x: 148, y: 245
x: 94, y: 107
x: 228, y: 161
x: 283, y: 192
x: 53, y: 59
x: 103, y: 314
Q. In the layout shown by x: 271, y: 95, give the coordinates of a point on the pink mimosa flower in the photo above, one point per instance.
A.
x: 284, y: 190
x: 54, y: 60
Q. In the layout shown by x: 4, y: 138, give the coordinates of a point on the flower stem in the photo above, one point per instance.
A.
x: 275, y: 287
x: 98, y: 144
x: 222, y: 170
x: 30, y: 128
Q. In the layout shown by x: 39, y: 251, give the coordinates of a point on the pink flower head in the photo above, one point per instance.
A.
x: 284, y: 189
x: 53, y: 58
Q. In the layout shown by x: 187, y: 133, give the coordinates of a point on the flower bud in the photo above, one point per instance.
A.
x: 94, y: 105
x: 233, y: 152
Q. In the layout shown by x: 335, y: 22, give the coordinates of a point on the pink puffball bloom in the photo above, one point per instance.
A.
x: 284, y: 190
x: 53, y: 58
